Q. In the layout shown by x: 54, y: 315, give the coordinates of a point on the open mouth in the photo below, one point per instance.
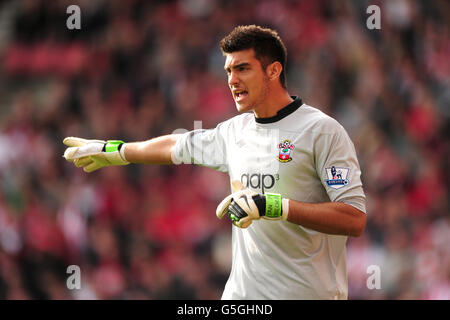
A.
x: 240, y: 95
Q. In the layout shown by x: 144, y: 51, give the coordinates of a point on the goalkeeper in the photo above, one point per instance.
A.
x: 295, y: 178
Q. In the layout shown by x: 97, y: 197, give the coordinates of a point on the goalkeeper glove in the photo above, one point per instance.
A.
x: 244, y: 205
x: 94, y: 154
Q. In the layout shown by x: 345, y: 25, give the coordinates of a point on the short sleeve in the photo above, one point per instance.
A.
x: 338, y: 168
x: 205, y: 147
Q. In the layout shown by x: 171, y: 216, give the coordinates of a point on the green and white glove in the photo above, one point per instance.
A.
x: 244, y: 205
x: 94, y: 154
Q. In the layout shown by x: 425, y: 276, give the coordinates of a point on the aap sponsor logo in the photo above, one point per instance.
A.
x: 259, y: 181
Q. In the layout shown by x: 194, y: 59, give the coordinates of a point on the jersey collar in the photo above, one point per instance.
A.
x: 284, y: 112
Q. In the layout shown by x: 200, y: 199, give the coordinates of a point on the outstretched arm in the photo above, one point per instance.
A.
x: 92, y: 155
x: 154, y: 151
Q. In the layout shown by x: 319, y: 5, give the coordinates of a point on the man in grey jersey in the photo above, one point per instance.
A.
x: 295, y: 178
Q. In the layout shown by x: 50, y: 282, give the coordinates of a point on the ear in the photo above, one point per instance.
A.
x: 273, y: 70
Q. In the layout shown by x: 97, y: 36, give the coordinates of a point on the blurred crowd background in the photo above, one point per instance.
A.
x: 138, y: 69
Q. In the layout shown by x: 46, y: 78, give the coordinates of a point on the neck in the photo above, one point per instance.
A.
x: 274, y: 102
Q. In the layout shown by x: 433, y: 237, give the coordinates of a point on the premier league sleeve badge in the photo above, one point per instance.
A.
x: 337, y: 177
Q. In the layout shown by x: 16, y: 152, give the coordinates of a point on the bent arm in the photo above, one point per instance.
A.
x: 154, y: 151
x: 329, y: 217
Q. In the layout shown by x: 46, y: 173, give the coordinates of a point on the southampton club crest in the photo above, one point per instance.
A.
x: 337, y: 177
x: 285, y: 148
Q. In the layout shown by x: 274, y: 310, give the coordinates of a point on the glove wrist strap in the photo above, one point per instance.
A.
x: 122, y: 151
x: 116, y: 146
x: 112, y: 145
x: 276, y: 207
x: 273, y: 205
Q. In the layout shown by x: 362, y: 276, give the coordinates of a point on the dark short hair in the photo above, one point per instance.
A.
x: 266, y: 43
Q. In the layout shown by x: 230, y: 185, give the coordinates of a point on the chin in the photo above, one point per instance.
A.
x: 243, y: 108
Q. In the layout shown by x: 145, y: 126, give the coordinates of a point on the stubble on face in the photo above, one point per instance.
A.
x: 257, y: 99
x: 264, y: 93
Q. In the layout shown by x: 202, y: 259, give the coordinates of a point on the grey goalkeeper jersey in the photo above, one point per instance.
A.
x: 304, y: 155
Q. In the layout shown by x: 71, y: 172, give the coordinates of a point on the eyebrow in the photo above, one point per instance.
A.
x: 243, y: 64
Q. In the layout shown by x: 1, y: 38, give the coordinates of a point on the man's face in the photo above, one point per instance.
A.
x: 247, y: 80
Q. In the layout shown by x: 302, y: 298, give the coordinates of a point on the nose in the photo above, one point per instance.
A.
x: 233, y: 79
